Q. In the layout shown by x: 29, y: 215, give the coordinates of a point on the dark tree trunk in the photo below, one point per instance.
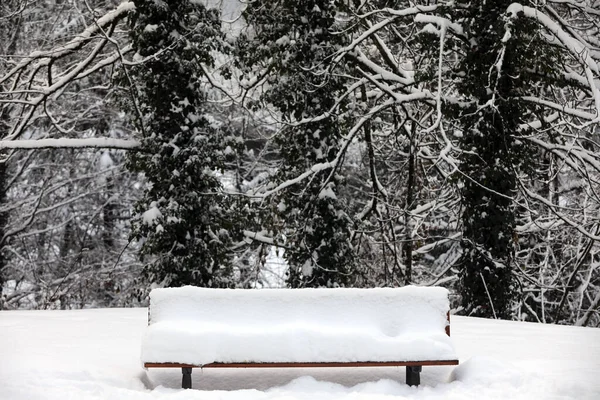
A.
x: 490, y: 131
x: 109, y: 215
x: 410, y: 189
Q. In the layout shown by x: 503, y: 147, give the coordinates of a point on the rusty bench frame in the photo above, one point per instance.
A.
x: 413, y: 368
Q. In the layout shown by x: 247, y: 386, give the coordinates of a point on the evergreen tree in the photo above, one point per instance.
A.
x: 501, y: 62
x: 186, y: 222
x: 294, y: 41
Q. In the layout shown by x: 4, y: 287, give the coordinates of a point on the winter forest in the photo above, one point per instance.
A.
x: 327, y: 143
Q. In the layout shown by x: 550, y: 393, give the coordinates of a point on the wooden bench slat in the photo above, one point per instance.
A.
x: 305, y: 365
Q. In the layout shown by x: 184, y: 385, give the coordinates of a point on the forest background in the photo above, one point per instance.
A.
x: 346, y: 143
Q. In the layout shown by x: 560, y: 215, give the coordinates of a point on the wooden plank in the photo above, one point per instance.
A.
x: 306, y: 365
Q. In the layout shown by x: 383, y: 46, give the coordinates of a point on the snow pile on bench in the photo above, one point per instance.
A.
x: 200, y: 326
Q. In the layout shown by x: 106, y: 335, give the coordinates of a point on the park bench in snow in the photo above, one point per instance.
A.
x: 193, y: 327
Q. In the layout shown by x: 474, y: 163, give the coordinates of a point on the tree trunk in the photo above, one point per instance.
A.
x: 410, y: 189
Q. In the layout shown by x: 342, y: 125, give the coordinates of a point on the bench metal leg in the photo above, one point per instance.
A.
x: 412, y: 375
x: 186, y: 380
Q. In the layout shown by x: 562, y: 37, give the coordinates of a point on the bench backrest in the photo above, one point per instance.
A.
x: 389, y: 311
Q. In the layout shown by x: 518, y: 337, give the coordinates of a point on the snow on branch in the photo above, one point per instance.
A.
x: 559, y: 107
x: 105, y: 143
x: 581, y: 5
x: 260, y: 237
x: 34, y: 89
x: 382, y: 24
x: 578, y: 49
x: 74, y: 44
x: 574, y: 46
x: 554, y: 210
x: 345, y: 142
x: 444, y: 23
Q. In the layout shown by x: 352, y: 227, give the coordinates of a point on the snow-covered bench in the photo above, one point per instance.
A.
x: 222, y: 328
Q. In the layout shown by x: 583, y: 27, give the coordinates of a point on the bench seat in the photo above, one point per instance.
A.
x: 211, y: 328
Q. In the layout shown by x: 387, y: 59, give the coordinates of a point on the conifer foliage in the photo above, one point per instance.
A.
x: 503, y: 61
x: 184, y: 219
x: 489, y: 128
x: 492, y: 75
x: 293, y: 41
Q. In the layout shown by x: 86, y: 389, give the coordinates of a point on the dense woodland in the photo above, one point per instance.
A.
x: 367, y: 143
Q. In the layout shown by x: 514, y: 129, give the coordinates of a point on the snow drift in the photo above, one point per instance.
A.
x: 95, y: 355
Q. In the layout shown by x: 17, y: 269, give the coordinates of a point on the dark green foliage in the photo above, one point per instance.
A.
x: 294, y: 42
x: 494, y: 69
x: 186, y: 222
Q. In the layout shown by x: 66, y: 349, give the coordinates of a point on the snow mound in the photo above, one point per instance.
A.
x: 487, y: 371
x: 199, y: 326
x: 94, y: 355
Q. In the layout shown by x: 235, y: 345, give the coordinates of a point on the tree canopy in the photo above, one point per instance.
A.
x: 379, y: 143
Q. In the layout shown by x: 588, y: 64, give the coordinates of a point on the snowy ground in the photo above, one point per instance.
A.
x: 94, y: 354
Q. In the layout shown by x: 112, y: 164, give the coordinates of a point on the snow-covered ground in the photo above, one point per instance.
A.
x: 95, y: 354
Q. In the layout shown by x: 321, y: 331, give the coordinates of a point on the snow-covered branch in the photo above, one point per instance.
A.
x: 66, y: 143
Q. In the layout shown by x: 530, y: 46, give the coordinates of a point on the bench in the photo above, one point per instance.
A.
x: 192, y: 327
